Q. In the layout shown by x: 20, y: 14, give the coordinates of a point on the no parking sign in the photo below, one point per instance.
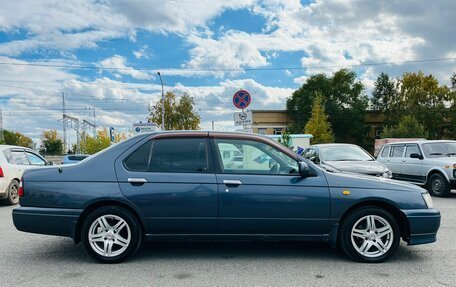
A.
x: 242, y: 99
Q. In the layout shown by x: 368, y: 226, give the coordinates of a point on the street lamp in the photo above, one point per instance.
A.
x: 163, y: 103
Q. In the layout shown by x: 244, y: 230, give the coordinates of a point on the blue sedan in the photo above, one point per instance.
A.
x: 184, y: 185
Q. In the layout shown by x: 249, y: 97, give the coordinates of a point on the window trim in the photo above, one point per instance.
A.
x: 219, y: 165
x: 210, y: 166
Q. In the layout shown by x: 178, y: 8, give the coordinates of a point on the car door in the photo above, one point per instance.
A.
x: 266, y: 195
x: 395, y: 159
x: 411, y: 168
x: 171, y: 180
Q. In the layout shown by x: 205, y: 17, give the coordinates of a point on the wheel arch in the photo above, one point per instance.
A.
x: 434, y: 171
x: 108, y: 202
x: 394, y: 210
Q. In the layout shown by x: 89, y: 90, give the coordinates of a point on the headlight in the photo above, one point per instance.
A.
x: 428, y: 200
x: 387, y: 174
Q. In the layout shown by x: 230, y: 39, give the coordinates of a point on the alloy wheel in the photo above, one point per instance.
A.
x: 372, y: 236
x: 109, y: 235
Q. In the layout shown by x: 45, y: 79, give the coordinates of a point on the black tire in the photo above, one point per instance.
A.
x: 13, y: 195
x: 131, y: 231
x: 438, y: 185
x: 391, y: 241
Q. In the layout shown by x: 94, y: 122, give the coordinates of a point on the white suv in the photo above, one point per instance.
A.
x: 428, y: 163
x: 13, y: 161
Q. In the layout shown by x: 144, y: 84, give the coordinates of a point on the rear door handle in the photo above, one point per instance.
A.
x: 232, y: 182
x: 137, y: 181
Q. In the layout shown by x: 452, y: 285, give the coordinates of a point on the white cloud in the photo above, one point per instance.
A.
x: 119, y: 63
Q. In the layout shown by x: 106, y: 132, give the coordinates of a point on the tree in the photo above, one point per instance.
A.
x: 384, y: 94
x: 318, y: 124
x: 344, y: 100
x: 15, y: 138
x: 179, y: 115
x: 91, y: 145
x: 52, y: 144
x: 422, y: 96
x: 408, y: 127
x: 285, y: 139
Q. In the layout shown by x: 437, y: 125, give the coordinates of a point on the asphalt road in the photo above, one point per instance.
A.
x: 37, y: 260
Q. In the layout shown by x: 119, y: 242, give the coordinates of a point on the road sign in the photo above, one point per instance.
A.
x: 242, y: 99
x: 111, y: 134
x: 145, y: 127
x: 243, y: 118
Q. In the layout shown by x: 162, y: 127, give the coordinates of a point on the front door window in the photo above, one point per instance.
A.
x: 254, y: 158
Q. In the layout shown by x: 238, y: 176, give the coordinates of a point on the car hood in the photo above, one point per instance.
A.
x: 442, y: 160
x: 352, y: 180
x: 364, y: 167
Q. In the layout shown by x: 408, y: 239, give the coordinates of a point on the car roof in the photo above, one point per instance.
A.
x: 418, y: 142
x: 5, y: 146
x: 333, y: 144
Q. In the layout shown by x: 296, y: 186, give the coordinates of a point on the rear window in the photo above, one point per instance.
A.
x: 170, y: 155
x: 77, y: 157
x: 385, y: 151
x: 397, y: 151
x: 8, y: 156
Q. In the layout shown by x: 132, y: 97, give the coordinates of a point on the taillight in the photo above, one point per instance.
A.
x: 20, y: 191
x: 1, y: 172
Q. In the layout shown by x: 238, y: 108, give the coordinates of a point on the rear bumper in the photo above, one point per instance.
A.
x: 423, y: 225
x: 51, y: 221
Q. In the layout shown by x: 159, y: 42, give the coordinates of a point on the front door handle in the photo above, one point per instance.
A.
x: 232, y: 182
x: 137, y: 181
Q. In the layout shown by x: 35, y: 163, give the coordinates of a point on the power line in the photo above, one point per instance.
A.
x: 94, y: 67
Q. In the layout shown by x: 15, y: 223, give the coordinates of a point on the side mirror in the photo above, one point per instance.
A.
x: 416, y: 155
x: 314, y: 159
x: 49, y: 163
x: 304, y: 169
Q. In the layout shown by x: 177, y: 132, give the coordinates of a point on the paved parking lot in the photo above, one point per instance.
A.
x: 31, y: 260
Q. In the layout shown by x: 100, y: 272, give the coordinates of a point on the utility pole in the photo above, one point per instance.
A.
x: 163, y: 103
x: 2, y: 137
x: 212, y: 125
x: 64, y: 121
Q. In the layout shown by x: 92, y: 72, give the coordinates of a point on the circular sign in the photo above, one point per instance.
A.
x: 242, y: 99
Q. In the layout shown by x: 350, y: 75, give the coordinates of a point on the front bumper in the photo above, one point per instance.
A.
x: 51, y: 221
x: 423, y: 225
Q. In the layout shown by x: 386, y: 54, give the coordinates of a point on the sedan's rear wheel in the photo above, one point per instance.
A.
x: 370, y: 234
x: 111, y: 234
x: 13, y: 193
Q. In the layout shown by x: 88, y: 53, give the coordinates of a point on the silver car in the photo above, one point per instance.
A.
x: 428, y: 163
x: 346, y: 158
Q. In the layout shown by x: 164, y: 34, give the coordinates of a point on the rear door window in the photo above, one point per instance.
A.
x: 19, y: 157
x: 397, y: 151
x: 171, y: 155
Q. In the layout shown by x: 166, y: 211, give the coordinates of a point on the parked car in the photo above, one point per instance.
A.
x: 346, y: 158
x: 13, y: 161
x: 175, y: 185
x: 431, y: 164
x: 74, y: 158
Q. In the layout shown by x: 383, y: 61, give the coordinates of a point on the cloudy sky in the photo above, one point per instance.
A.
x: 105, y: 54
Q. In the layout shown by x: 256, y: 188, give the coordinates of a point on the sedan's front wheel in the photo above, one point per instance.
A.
x: 111, y: 234
x: 370, y: 234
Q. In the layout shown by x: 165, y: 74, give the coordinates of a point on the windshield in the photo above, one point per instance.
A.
x: 344, y: 153
x: 440, y: 149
